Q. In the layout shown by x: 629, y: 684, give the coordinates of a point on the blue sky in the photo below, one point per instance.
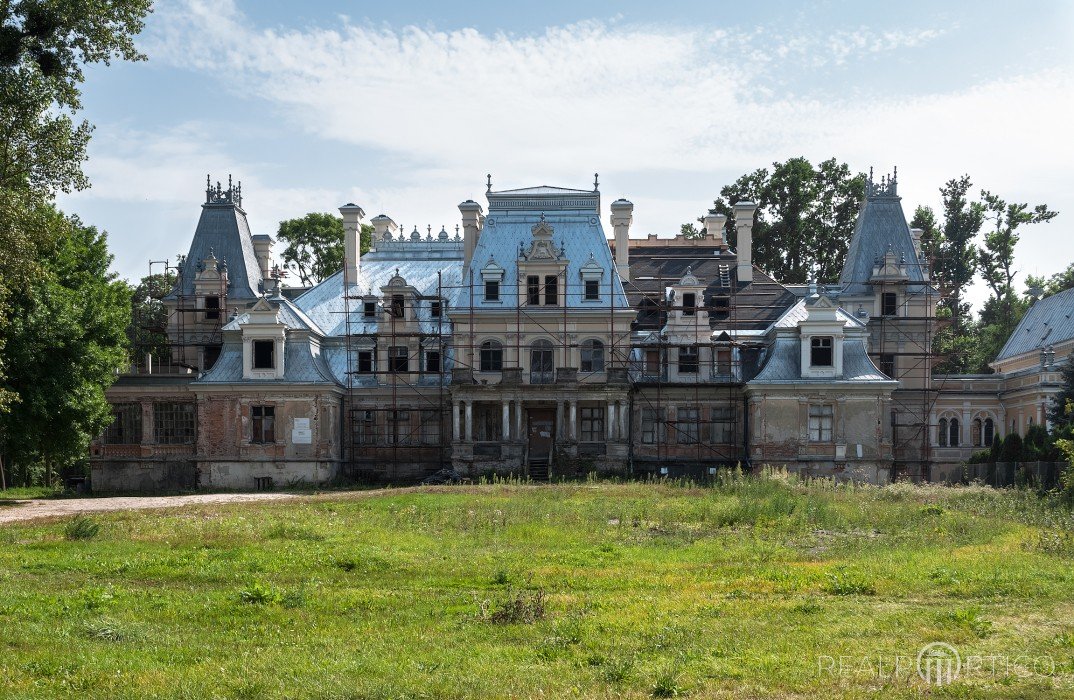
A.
x: 403, y: 107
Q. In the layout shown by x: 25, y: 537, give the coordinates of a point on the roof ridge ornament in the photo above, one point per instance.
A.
x: 887, y: 187
x: 218, y: 195
x: 596, y: 182
x: 488, y: 184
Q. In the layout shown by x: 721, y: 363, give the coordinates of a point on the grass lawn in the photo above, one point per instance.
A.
x: 750, y: 588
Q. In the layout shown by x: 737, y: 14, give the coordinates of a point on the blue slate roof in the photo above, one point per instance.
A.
x: 784, y: 365
x: 881, y: 226
x: 223, y: 229
x: 1048, y: 322
x: 290, y: 315
x: 304, y: 363
x: 574, y: 216
x: 800, y: 312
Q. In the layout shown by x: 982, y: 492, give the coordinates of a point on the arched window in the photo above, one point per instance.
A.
x: 592, y: 356
x: 989, y: 432
x: 955, y: 436
x: 941, y: 433
x: 541, y: 362
x: 491, y: 356
x: 975, y: 432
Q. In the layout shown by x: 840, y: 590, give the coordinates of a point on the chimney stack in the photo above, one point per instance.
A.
x: 915, y: 233
x: 744, y: 227
x: 263, y: 252
x: 383, y: 227
x: 622, y: 217
x: 352, y: 239
x: 472, y: 220
x: 714, y: 224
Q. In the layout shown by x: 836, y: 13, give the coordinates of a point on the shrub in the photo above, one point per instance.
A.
x: 515, y: 607
x: 81, y: 528
x: 1012, y: 448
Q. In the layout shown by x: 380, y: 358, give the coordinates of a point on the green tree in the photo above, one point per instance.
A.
x: 148, y: 332
x: 804, y: 217
x: 66, y: 339
x: 315, y: 245
x: 957, y: 259
x: 1041, y: 287
x: 690, y: 230
x: 931, y: 235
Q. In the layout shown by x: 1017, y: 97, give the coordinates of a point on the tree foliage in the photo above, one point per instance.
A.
x: 805, y: 216
x: 315, y: 245
x: 1041, y: 287
x: 65, y: 341
x: 148, y: 332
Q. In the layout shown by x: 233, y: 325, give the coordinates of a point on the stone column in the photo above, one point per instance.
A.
x: 964, y: 433
x: 573, y: 425
x: 518, y: 422
x: 455, y: 421
x: 561, y: 429
x: 506, y: 434
x: 469, y: 420
x: 611, y: 421
x: 624, y: 422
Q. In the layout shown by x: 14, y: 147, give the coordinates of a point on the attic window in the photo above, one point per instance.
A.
x: 592, y: 290
x: 492, y: 290
x: 397, y: 305
x: 264, y: 354
x: 820, y: 351
x: 212, y: 308
x: 689, y: 304
x: 551, y: 290
x: 434, y: 309
x: 533, y: 290
x: 369, y: 309
x: 889, y: 303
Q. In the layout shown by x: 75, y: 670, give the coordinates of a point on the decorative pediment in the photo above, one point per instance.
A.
x: 397, y: 280
x: 591, y: 270
x: 890, y: 267
x: 542, y: 230
x: 492, y: 270
x: 263, y: 312
x: 689, y: 280
x: 541, y: 247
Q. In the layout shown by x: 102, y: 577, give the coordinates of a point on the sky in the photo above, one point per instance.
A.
x: 404, y: 107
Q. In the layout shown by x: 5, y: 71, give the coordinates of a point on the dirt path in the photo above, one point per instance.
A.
x: 60, y: 507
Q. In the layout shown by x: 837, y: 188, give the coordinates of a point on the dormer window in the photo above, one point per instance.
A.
x: 492, y: 277
x: 492, y: 290
x: 820, y: 351
x: 212, y: 308
x: 264, y: 354
x: 369, y: 309
x: 533, y: 290
x: 592, y: 274
x: 689, y: 304
x: 434, y: 309
x: 889, y: 303
x: 592, y: 290
x: 551, y: 290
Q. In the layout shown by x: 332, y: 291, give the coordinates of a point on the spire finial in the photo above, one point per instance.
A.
x: 596, y: 181
x: 488, y: 184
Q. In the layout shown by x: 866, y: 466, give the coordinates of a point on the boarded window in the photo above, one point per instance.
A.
x: 723, y: 426
x: 264, y: 354
x: 173, y: 423
x: 398, y: 306
x: 592, y: 424
x: 722, y: 357
x: 263, y: 424
x: 399, y: 427
x: 821, y: 420
x: 126, y: 427
x: 430, y: 427
x: 364, y: 426
x: 652, y: 426
x: 820, y: 354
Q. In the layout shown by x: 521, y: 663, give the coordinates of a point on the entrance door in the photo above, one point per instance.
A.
x: 541, y: 423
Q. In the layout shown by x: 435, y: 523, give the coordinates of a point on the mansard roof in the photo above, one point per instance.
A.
x: 784, y: 365
x: 304, y: 363
x: 223, y: 230
x: 1048, y: 322
x: 881, y: 226
x: 751, y: 306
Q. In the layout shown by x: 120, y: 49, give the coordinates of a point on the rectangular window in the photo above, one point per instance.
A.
x: 687, y: 424
x: 723, y: 362
x: 723, y: 426
x: 264, y: 354
x: 886, y: 363
x: 592, y: 424
x: 434, y: 309
x: 533, y: 290
x: 889, y: 303
x: 492, y: 290
x: 652, y: 363
x: 430, y: 427
x: 126, y: 427
x: 173, y: 423
x: 551, y: 290
x: 398, y: 306
x: 398, y: 427
x: 689, y: 304
x: 212, y: 308
x: 364, y: 427
x: 432, y: 361
x: 821, y: 418
x: 369, y: 309
x: 263, y: 424
x: 652, y: 426
x: 365, y: 362
x: 398, y: 358
x: 688, y: 359
x: 592, y: 290
x: 820, y: 351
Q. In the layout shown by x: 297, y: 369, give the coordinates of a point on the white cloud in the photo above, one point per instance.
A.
x: 637, y: 103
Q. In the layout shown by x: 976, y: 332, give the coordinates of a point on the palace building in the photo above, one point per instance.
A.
x: 527, y: 341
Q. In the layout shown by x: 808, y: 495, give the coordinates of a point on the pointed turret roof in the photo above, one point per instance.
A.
x: 881, y: 227
x: 223, y: 231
